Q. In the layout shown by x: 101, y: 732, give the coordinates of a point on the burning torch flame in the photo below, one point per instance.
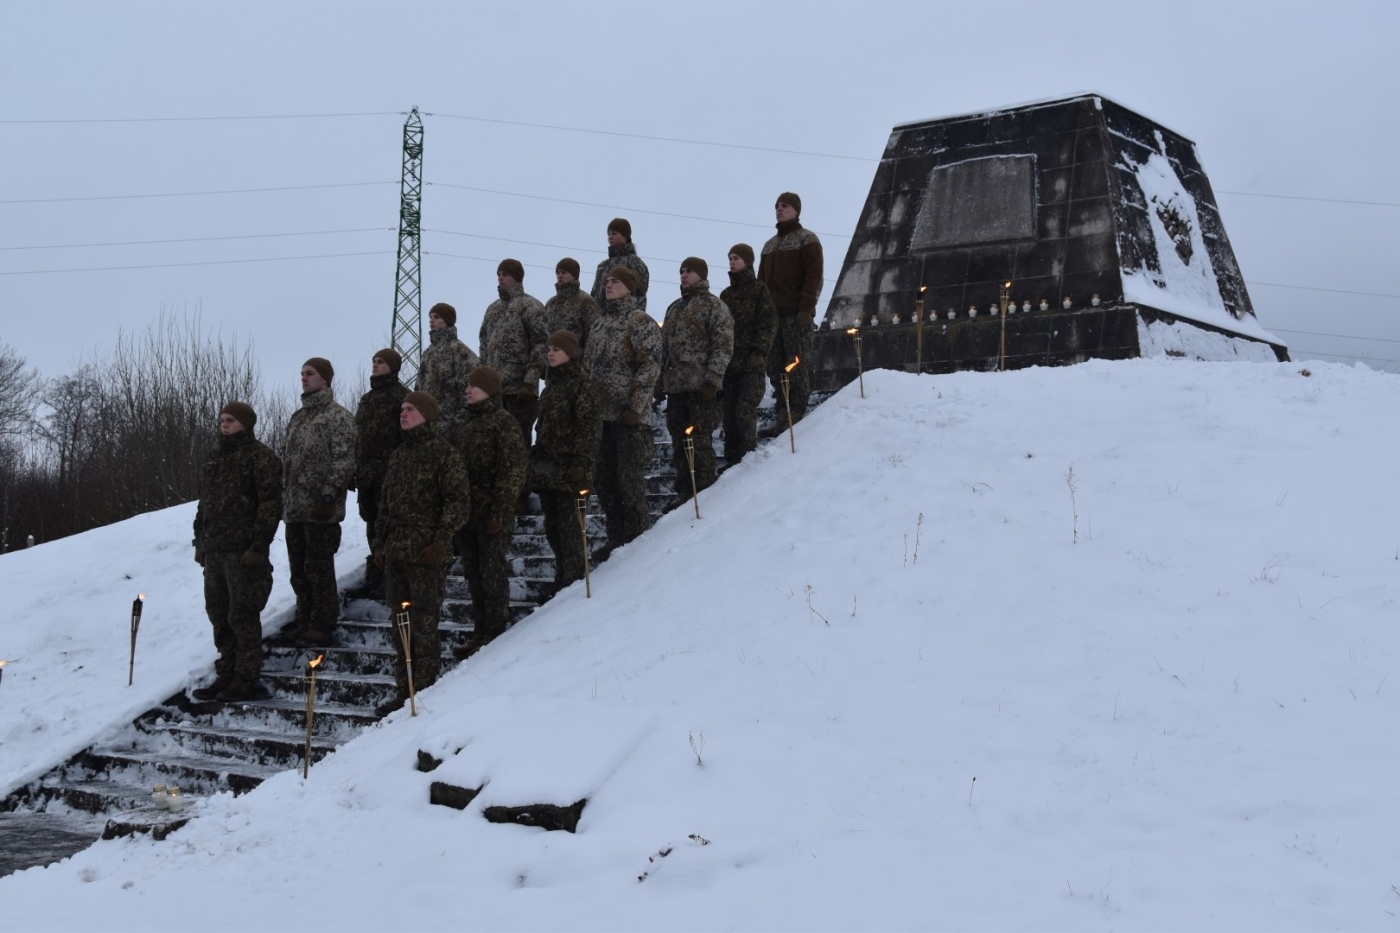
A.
x: 793, y: 365
x: 1007, y: 285
x: 689, y: 430
x: 924, y: 288
x: 316, y: 661
x: 140, y: 596
x: 852, y: 331
x: 405, y: 604
x: 583, y: 492
x: 3, y: 663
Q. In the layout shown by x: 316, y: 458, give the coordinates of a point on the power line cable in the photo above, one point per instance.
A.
x: 189, y: 194
x: 210, y: 262
x: 1348, y: 356
x: 1314, y: 333
x: 271, y: 116
x: 1313, y: 288
x: 198, y: 239
x: 1298, y: 197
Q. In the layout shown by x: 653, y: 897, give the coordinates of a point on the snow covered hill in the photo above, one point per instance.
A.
x: 1170, y: 684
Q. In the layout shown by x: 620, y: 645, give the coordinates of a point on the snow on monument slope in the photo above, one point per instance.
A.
x: 1185, y: 720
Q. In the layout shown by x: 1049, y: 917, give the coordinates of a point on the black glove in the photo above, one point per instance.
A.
x: 573, y: 475
x: 252, y: 558
x: 433, y: 555
x: 493, y: 526
x: 630, y: 418
x: 757, y: 360
x: 707, y: 393
x: 324, y: 509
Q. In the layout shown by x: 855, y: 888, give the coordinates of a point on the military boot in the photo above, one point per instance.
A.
x: 372, y: 587
x: 221, y: 682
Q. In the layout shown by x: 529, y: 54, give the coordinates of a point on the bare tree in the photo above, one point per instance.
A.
x: 19, y: 393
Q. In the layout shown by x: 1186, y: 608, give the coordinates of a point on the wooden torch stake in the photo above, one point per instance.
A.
x: 406, y: 636
x: 582, y: 503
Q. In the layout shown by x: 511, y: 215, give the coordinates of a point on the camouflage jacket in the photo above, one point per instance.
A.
x: 570, y: 309
x: 755, y: 318
x: 624, y: 357
x: 425, y: 497
x: 494, y: 453
x: 240, y: 496
x: 443, y: 371
x: 568, y: 430
x: 791, y: 267
x: 513, y: 336
x: 377, y: 429
x: 318, y: 458
x: 625, y: 255
x: 697, y: 341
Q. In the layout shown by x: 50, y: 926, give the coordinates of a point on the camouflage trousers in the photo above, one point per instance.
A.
x: 368, y: 500
x: 487, y: 571
x: 562, y: 530
x: 794, y: 339
x: 311, y: 548
x: 523, y: 408
x: 234, y: 596
x: 684, y: 409
x: 742, y: 393
x: 421, y: 587
x: 620, y: 479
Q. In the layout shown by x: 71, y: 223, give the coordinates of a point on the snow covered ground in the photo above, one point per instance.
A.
x: 1181, y: 720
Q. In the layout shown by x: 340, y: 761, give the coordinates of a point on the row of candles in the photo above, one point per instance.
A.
x: 972, y: 311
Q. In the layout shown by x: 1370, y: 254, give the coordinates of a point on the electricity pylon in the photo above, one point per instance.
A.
x: 408, y: 284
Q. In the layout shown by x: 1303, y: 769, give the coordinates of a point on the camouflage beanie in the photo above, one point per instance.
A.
x: 445, y: 311
x: 486, y: 379
x: 696, y: 264
x: 620, y: 225
x: 744, y: 251
x: 512, y: 268
x: 566, y: 341
x: 626, y: 276
x: 787, y: 197
x: 425, y: 403
x: 243, y: 412
x: 322, y: 366
x: 391, y: 358
x: 568, y: 265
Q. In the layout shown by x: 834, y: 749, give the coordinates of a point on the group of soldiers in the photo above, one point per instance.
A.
x: 444, y: 469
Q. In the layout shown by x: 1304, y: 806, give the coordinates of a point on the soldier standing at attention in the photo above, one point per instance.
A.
x: 697, y: 341
x: 240, y: 504
x: 496, y: 460
x: 512, y: 343
x: 566, y: 445
x: 424, y: 501
x: 624, y: 358
x: 442, y: 372
x: 318, y: 462
x: 755, y: 323
x: 621, y: 252
x: 571, y: 308
x: 791, y: 267
x: 377, y: 427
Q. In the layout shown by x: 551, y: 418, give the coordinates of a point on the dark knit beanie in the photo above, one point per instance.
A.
x: 391, y: 357
x: 425, y: 403
x: 243, y: 412
x: 626, y: 276
x: 787, y: 197
x: 696, y: 264
x: 568, y: 265
x: 445, y: 311
x: 565, y: 341
x: 322, y: 366
x: 486, y: 379
x: 744, y: 251
x: 621, y: 225
x: 512, y: 268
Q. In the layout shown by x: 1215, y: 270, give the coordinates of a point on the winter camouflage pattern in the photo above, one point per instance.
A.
x: 621, y: 480
x: 683, y: 410
x: 625, y: 255
x: 420, y: 586
x: 240, y: 497
x: 513, y: 336
x: 496, y: 461
x: 567, y: 433
x: 234, y: 597
x: 425, y: 497
x: 697, y: 341
x: 571, y: 309
x: 755, y: 319
x: 565, y: 537
x: 442, y: 373
x: 793, y: 341
x: 791, y: 267
x: 623, y: 356
x: 742, y: 393
x: 311, y: 548
x: 318, y: 459
x: 377, y: 429
x: 487, y: 570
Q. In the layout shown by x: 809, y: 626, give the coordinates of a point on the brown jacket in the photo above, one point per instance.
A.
x: 791, y: 267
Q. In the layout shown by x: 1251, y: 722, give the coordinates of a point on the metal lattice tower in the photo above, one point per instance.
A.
x: 408, y: 283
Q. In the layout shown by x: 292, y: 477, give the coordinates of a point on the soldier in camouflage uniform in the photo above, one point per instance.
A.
x: 624, y: 358
x: 240, y: 504
x: 791, y: 267
x: 496, y: 460
x: 621, y: 252
x: 424, y: 501
x: 318, y: 462
x: 566, y: 445
x: 442, y: 372
x: 378, y: 436
x: 571, y: 308
x: 697, y: 341
x: 755, y: 323
x: 512, y: 343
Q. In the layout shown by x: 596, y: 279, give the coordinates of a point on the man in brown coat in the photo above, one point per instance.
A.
x: 791, y: 267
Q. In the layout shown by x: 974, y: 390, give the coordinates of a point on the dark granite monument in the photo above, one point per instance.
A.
x: 1102, y: 222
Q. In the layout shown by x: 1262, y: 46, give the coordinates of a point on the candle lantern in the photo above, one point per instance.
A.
x: 860, y: 362
x: 311, y: 666
x: 952, y: 313
x: 136, y: 606
x: 787, y: 401
x: 581, y: 504
x: 1026, y: 307
x: 174, y: 802
x: 1044, y: 305
x: 971, y: 310
x: 160, y: 797
x: 403, y: 621
x: 895, y: 319
x: 1066, y: 303
x: 690, y: 459
x: 1094, y: 301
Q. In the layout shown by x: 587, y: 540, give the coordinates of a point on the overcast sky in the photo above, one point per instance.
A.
x: 1295, y: 101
